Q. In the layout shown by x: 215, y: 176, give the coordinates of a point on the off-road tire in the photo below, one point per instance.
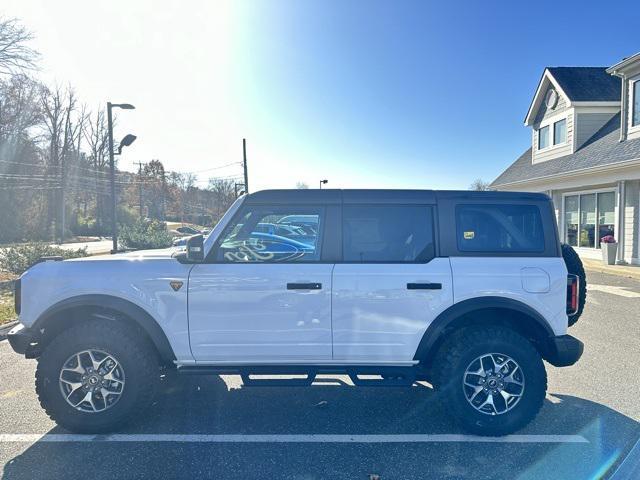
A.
x: 575, y: 267
x: 132, y: 351
x: 465, y: 345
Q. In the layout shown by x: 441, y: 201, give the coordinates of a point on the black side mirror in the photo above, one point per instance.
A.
x: 195, y: 248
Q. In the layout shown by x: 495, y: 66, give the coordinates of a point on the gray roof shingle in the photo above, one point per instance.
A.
x: 603, y: 148
x: 587, y: 84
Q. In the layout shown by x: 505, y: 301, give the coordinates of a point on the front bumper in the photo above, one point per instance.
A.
x: 564, y: 350
x: 23, y: 341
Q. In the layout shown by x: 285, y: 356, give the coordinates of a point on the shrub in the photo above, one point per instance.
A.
x: 18, y: 258
x: 145, y: 234
x: 127, y: 216
x: 84, y: 225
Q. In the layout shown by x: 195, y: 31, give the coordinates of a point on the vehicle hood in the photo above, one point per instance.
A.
x: 159, y: 253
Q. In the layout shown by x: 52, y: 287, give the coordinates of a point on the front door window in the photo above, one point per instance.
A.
x: 272, y: 235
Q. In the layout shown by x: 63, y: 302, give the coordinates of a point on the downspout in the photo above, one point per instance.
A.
x: 623, y: 110
x: 622, y: 193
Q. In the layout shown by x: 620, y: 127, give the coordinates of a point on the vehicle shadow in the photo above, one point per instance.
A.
x: 211, y: 405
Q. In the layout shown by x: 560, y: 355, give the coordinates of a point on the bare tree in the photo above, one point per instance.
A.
x: 224, y: 195
x: 23, y: 185
x: 96, y: 137
x: 58, y: 106
x: 480, y: 185
x: 183, y: 184
x: 155, y: 189
x: 15, y: 54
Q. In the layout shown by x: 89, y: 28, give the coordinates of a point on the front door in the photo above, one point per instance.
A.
x: 264, y: 295
x: 390, y: 286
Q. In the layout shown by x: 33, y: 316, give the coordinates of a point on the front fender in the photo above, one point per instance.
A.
x: 136, y: 313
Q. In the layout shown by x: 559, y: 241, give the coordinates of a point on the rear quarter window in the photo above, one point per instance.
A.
x: 499, y: 228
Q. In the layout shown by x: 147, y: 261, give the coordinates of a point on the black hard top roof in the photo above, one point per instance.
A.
x: 373, y: 196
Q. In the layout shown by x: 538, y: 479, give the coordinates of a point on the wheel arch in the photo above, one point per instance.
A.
x: 488, y: 311
x: 68, y: 312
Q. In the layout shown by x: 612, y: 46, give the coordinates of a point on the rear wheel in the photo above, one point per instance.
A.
x: 575, y: 267
x: 95, y: 376
x: 491, y: 379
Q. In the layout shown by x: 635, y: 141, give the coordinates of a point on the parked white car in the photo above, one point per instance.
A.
x: 467, y: 290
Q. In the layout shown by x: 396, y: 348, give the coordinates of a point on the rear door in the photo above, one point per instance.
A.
x: 390, y: 285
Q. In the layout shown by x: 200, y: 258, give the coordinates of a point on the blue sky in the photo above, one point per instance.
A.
x: 365, y: 94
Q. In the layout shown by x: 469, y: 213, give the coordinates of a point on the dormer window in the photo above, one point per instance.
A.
x: 560, y: 132
x: 543, y: 137
x: 553, y: 134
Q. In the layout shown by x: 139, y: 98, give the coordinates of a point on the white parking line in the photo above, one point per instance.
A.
x: 614, y: 290
x: 308, y: 438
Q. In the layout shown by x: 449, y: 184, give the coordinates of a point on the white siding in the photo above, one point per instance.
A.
x: 631, y: 221
x: 544, y: 112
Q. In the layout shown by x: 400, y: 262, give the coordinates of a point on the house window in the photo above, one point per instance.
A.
x: 635, y: 119
x: 543, y: 137
x: 606, y: 213
x: 588, y: 220
x: 588, y: 217
x: 560, y: 132
x: 571, y: 210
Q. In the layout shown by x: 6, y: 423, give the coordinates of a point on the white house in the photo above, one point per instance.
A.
x: 585, y: 154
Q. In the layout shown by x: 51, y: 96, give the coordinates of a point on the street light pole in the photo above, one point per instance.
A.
x: 112, y: 168
x: 323, y: 182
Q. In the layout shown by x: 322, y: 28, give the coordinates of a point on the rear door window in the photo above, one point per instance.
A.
x: 499, y: 228
x: 387, y: 233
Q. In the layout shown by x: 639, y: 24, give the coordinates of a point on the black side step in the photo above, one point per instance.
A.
x: 385, y: 376
x: 277, y: 382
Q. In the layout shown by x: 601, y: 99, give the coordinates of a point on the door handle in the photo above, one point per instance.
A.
x: 424, y: 286
x: 304, y: 286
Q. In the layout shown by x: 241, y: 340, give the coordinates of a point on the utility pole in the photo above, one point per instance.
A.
x: 244, y: 163
x: 140, y: 164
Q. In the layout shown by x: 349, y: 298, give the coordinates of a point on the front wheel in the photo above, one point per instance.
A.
x: 491, y: 379
x: 95, y: 376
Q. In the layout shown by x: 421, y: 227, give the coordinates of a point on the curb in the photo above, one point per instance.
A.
x: 618, y: 270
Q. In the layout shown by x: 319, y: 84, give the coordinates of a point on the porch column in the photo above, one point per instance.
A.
x: 621, y: 220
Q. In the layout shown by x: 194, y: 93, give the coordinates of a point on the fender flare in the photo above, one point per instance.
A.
x: 451, y: 314
x: 138, y: 314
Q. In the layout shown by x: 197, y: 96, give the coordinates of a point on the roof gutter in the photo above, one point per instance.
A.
x: 584, y: 171
x: 622, y: 65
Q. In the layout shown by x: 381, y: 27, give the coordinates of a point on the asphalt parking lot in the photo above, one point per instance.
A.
x: 211, y: 427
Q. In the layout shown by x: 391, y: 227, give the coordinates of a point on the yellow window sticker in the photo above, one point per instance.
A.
x: 469, y: 235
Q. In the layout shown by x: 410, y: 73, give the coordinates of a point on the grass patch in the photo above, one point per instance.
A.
x: 7, y: 313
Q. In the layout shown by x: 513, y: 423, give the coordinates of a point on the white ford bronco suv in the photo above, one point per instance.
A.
x: 468, y: 291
